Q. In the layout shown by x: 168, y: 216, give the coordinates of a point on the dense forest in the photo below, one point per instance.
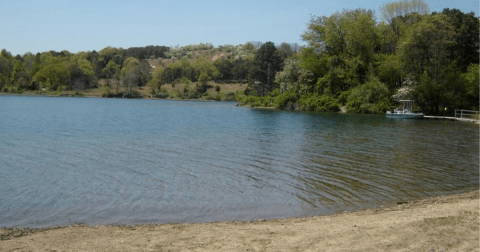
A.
x: 351, y: 61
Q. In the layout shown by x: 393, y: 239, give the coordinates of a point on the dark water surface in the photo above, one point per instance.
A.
x: 106, y: 161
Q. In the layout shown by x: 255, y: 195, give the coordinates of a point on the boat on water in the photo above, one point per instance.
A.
x: 404, y: 112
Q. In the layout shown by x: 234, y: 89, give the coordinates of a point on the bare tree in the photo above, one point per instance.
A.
x: 295, y: 47
x: 401, y: 8
x: 284, y: 50
x: 130, y: 80
x: 256, y: 44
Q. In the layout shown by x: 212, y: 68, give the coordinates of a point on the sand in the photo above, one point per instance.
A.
x: 448, y: 223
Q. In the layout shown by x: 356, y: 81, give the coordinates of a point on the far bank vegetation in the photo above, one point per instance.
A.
x: 351, y: 60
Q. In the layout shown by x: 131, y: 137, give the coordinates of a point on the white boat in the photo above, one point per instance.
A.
x: 404, y: 112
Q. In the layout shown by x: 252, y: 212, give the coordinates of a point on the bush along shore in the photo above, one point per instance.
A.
x: 213, y: 93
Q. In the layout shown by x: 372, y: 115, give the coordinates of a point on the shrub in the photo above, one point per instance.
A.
x: 106, y: 91
x: 11, y: 89
x: 315, y: 102
x: 214, y: 96
x: 371, y: 97
x: 229, y: 96
x: 133, y: 94
x: 162, y: 93
x: 61, y: 88
x: 255, y: 101
x: 175, y: 94
x: 280, y: 101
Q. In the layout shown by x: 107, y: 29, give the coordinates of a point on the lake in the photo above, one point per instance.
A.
x: 118, y: 161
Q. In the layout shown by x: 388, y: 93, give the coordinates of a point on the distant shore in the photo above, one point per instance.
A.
x: 342, y: 110
x: 98, y: 96
x: 446, y: 223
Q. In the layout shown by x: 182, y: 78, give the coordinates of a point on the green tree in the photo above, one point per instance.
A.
x: 224, y: 67
x: 55, y: 71
x: 135, y: 73
x: 284, y: 51
x: 202, y: 83
x: 111, y: 53
x: 204, y: 66
x: 465, y: 50
x: 266, y: 64
x: 287, y: 79
x: 472, y: 80
x: 112, y: 71
x: 172, y: 72
x: 371, y: 97
x: 295, y: 79
x: 130, y: 74
x: 156, y: 80
x: 390, y: 70
x: 82, y: 75
x: 346, y: 41
x: 426, y: 47
x: 187, y: 70
x: 144, y: 71
x: 6, y: 67
x: 32, y: 66
x: 20, y: 76
x: 242, y: 69
x: 249, y: 47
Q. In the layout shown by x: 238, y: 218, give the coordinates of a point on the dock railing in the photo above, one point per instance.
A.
x: 466, y: 114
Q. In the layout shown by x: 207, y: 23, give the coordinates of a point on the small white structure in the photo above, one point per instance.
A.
x: 404, y: 112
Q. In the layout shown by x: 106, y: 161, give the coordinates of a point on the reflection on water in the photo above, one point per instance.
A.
x: 67, y: 160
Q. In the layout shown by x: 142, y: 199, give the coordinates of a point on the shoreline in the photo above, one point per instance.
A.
x: 448, y: 222
x: 341, y: 111
x: 101, y: 97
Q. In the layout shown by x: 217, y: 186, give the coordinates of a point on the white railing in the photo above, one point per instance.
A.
x: 467, y: 114
x: 401, y: 110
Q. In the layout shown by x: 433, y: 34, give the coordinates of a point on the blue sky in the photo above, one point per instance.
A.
x: 73, y: 25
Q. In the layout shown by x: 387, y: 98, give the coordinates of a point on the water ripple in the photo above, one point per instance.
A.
x: 67, y: 160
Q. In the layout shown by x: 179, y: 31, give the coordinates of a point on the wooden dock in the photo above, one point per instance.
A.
x: 451, y: 119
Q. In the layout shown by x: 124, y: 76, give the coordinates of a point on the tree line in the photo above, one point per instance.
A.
x: 63, y: 70
x: 351, y: 60
x: 368, y: 66
x: 128, y: 69
x: 246, y: 63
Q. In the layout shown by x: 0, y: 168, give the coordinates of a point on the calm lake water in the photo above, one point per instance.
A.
x: 119, y: 161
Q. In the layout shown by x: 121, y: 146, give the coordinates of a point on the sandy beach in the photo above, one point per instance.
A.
x: 447, y: 223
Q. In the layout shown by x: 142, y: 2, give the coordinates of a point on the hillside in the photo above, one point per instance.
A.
x: 351, y: 61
